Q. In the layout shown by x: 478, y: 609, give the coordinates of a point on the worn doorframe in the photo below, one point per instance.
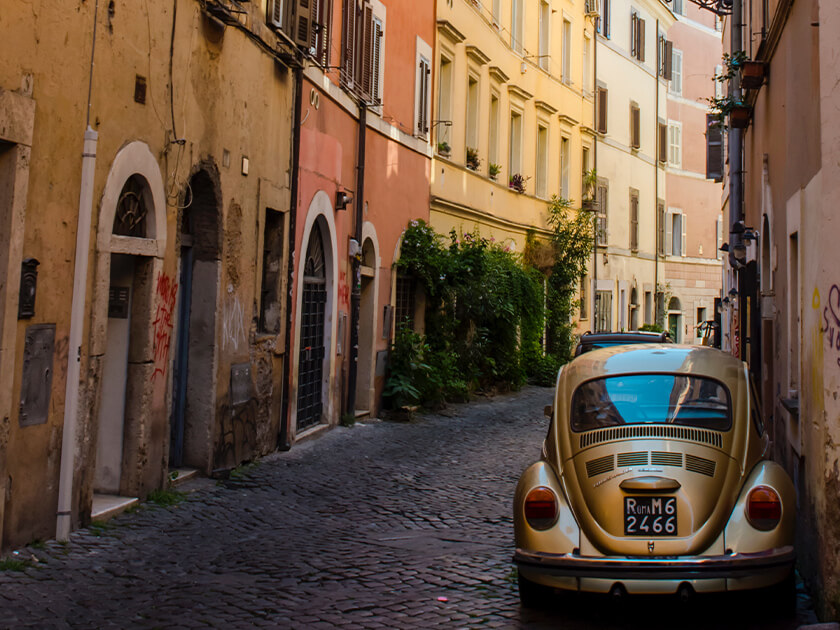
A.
x: 369, y: 310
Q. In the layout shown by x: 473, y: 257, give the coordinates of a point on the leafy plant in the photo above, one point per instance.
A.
x: 494, y: 169
x: 721, y: 108
x: 348, y: 419
x: 443, y: 147
x: 517, y: 182
x: 407, y: 369
x: 473, y: 161
x: 651, y: 328
x: 166, y: 498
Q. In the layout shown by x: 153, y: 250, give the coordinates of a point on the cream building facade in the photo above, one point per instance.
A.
x: 513, y: 98
x: 630, y: 120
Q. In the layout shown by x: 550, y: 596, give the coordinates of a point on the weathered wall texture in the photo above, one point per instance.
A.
x: 220, y: 106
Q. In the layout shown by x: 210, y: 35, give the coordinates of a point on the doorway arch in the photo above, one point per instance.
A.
x: 366, y: 367
x: 675, y: 319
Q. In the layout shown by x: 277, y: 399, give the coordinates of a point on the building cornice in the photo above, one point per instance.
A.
x: 515, y: 90
x: 497, y: 74
x: 474, y: 53
x: 481, y: 216
x: 545, y: 107
x: 451, y: 33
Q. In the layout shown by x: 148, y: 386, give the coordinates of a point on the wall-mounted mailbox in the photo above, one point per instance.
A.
x: 28, y: 282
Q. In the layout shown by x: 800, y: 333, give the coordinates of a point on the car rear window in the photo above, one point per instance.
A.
x: 651, y: 399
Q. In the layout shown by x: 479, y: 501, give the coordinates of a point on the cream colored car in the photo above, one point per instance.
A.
x: 654, y: 478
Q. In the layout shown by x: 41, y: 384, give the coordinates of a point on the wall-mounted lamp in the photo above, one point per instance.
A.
x: 733, y: 292
x: 342, y: 200
x: 739, y: 250
x: 724, y: 247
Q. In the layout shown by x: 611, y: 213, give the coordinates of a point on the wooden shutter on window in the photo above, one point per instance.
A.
x: 640, y: 45
x: 714, y: 149
x: 669, y: 233
x: 668, y: 65
x: 635, y: 126
x: 377, y: 62
x: 634, y: 34
x: 683, y: 248
x: 660, y: 219
x: 663, y: 142
x: 348, y: 39
x: 423, y: 98
x: 321, y: 12
x: 602, y: 110
x: 365, y: 74
x: 302, y: 22
x: 634, y: 220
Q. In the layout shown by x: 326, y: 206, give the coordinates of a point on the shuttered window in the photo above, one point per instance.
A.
x: 602, y: 109
x: 634, y: 220
x: 635, y: 126
x: 666, y: 51
x: 714, y: 149
x: 675, y: 144
x: 363, y: 50
x: 637, y: 37
x: 660, y: 236
x: 663, y: 142
x: 602, y: 197
x: 424, y: 72
x: 676, y: 85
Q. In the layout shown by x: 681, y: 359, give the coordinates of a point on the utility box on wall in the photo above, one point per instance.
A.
x: 36, y: 385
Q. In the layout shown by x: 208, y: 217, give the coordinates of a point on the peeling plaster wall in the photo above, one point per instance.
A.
x: 231, y: 101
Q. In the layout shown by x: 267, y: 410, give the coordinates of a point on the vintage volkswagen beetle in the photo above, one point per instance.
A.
x: 654, y: 479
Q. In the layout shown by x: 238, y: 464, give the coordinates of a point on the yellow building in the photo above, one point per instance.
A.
x: 631, y: 156
x: 513, y: 99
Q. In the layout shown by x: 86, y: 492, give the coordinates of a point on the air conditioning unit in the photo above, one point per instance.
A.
x: 593, y: 8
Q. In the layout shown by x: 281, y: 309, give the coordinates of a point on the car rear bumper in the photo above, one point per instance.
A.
x: 734, y: 565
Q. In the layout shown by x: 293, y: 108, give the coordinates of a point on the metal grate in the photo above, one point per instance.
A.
x: 600, y: 466
x: 599, y: 436
x: 700, y: 465
x: 311, y: 358
x: 661, y: 458
x: 633, y: 459
x: 405, y: 301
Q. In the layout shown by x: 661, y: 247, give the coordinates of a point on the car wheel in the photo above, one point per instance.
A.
x: 782, y: 596
x: 531, y: 594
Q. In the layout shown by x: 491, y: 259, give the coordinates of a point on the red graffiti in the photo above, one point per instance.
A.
x: 166, y: 292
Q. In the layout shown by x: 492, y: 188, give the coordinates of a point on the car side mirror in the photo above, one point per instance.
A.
x: 548, y: 411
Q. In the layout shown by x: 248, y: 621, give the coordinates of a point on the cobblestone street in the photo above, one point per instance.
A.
x: 382, y: 525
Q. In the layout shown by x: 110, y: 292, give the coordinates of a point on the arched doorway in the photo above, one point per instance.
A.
x: 367, y: 316
x: 634, y: 309
x: 193, y: 391
x: 675, y: 319
x: 311, y: 357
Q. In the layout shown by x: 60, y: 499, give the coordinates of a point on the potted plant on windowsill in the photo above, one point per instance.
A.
x: 739, y: 116
x: 493, y: 170
x: 517, y: 183
x: 443, y: 149
x: 473, y: 161
x: 752, y: 74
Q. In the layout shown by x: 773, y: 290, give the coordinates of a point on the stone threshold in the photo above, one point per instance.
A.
x: 106, y: 506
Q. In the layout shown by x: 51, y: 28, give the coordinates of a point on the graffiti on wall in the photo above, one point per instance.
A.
x: 166, y: 291
x: 233, y: 322
x: 237, y: 434
x: 831, y: 320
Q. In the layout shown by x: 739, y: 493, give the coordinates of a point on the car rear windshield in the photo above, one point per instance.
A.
x: 651, y: 399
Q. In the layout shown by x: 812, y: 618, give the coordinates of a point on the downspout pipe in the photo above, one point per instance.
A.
x: 283, y: 439
x: 736, y: 190
x: 64, y: 512
x: 593, y: 323
x: 656, y: 163
x: 356, y: 294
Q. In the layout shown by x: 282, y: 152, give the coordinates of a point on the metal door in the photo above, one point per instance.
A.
x: 311, y: 358
x: 179, y: 406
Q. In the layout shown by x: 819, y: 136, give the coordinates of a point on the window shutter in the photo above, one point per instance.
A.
x: 660, y: 213
x: 275, y: 13
x: 634, y: 35
x: 663, y: 142
x: 669, y: 60
x: 635, y: 127
x: 366, y: 57
x: 683, y: 221
x: 602, y: 110
x: 348, y: 25
x: 377, y: 62
x: 634, y: 221
x: 302, y: 23
x: 669, y: 233
x: 714, y: 149
x: 640, y: 46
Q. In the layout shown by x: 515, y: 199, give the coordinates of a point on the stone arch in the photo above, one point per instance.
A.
x: 320, y: 214
x: 368, y: 320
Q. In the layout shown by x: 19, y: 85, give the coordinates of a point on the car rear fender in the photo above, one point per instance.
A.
x: 740, y: 536
x: 564, y: 535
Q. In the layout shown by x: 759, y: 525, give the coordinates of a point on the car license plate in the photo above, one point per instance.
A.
x: 650, y: 516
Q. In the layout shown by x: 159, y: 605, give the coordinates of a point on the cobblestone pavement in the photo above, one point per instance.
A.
x: 382, y: 525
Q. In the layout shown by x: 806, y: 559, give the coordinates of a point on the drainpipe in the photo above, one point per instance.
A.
x: 356, y: 294
x: 283, y: 439
x: 656, y: 188
x: 736, y: 191
x: 77, y: 314
x: 594, y: 321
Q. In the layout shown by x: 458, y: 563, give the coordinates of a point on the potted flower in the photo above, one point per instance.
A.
x: 443, y: 148
x: 493, y: 170
x: 517, y: 183
x: 739, y: 116
x: 752, y: 74
x: 473, y: 161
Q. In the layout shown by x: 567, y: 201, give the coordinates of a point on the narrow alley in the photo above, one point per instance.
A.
x: 382, y: 525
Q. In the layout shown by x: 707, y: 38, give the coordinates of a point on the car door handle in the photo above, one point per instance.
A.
x: 650, y: 484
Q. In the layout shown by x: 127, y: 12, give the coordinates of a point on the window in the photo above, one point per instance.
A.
x: 666, y: 57
x: 515, y: 148
x: 648, y: 307
x: 602, y: 23
x: 635, y: 126
x: 587, y: 66
x: 602, y: 197
x: 603, y: 311
x: 675, y: 144
x: 423, y: 97
x: 497, y: 11
x: 701, y: 317
x: 584, y: 298
x: 660, y: 222
x: 565, y: 159
x: 363, y: 50
x: 516, y: 21
x: 637, y: 36
x: 719, y: 23
x: 634, y: 220
x: 542, y: 161
x: 404, y: 310
x: 678, y: 7
x: 714, y: 149
x: 584, y: 169
x: 444, y: 97
x: 272, y: 293
x: 472, y: 112
x: 676, y: 86
x: 567, y: 52
x: 378, y: 61
x: 494, y: 129
x: 663, y: 142
x: 675, y: 225
x: 544, y: 50
x: 601, y: 98
x: 718, y: 82
x: 321, y: 30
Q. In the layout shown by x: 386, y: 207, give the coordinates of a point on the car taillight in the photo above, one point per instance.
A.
x: 541, y: 508
x: 764, y: 508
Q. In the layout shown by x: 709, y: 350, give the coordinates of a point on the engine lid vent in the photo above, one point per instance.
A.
x: 700, y: 465
x: 600, y: 466
x: 632, y: 459
x: 599, y: 436
x: 662, y: 458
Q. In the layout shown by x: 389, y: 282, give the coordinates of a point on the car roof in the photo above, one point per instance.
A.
x: 649, y: 358
x: 635, y: 336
